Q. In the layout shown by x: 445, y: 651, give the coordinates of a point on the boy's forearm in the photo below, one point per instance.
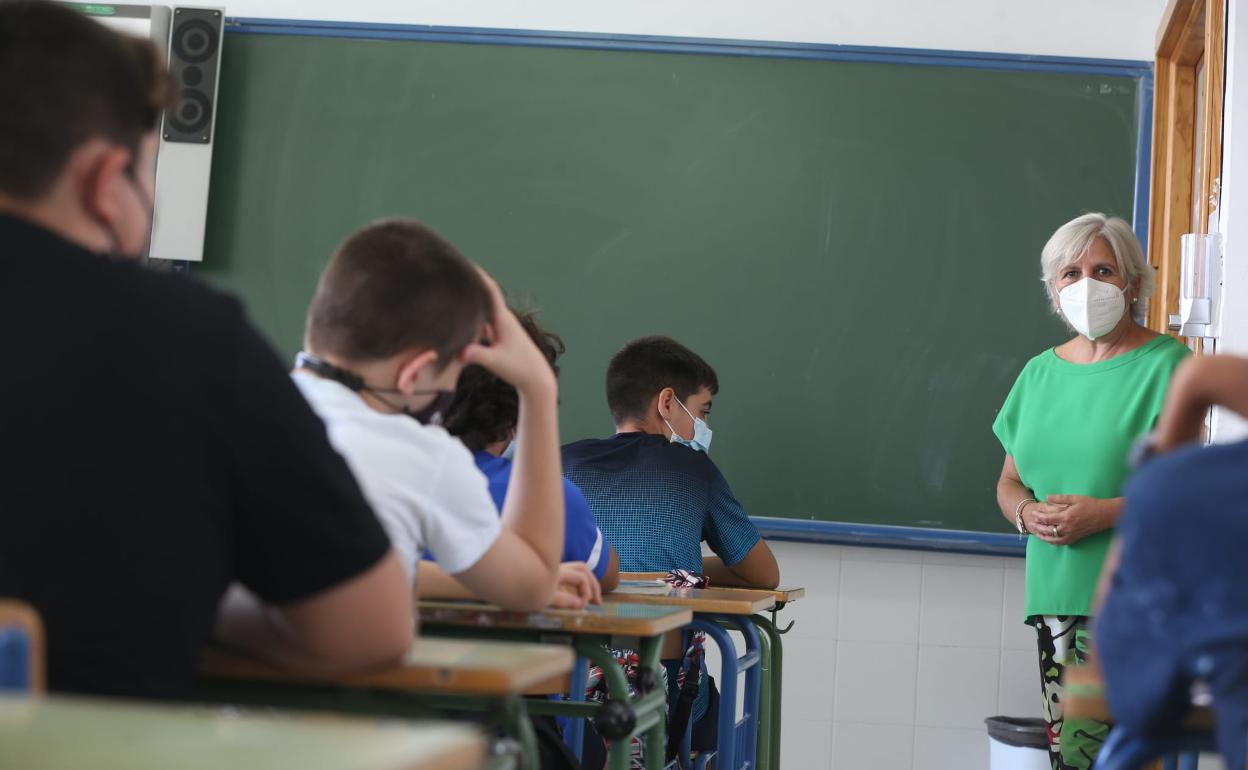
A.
x: 433, y: 582
x: 719, y: 573
x: 534, y: 505
x: 1200, y: 384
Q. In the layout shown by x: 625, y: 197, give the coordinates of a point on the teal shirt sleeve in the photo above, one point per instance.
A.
x: 727, y: 529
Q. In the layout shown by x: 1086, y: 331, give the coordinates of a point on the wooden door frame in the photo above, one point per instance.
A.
x: 1190, y: 30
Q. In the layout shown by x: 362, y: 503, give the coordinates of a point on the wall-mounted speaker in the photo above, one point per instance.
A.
x: 185, y: 159
x: 191, y: 39
x: 194, y: 55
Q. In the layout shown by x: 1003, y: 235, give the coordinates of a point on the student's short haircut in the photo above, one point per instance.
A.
x: 647, y: 365
x: 65, y: 79
x: 393, y: 286
x: 486, y: 409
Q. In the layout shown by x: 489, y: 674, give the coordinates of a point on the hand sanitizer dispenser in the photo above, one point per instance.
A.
x: 1201, y: 261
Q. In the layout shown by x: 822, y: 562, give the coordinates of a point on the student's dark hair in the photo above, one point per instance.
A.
x: 393, y: 286
x: 486, y: 409
x: 647, y: 365
x: 65, y: 79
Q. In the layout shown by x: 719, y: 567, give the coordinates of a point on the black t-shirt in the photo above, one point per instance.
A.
x: 154, y: 450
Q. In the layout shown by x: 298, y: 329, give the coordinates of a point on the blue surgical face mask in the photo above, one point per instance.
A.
x: 701, y: 440
x: 510, y: 452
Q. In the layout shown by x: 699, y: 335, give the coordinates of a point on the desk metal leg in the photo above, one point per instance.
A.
x: 575, y: 737
x: 736, y: 748
x: 516, y: 722
x: 777, y: 684
x: 656, y: 737
x: 648, y: 709
x: 765, y: 706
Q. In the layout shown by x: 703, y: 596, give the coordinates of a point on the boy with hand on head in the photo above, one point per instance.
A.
x: 397, y: 315
x: 657, y: 495
x: 484, y: 416
x: 196, y: 463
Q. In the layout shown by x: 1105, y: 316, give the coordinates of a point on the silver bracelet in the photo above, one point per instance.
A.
x: 1018, y: 515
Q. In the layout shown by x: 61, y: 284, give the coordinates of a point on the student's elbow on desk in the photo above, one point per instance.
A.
x: 768, y: 573
x: 759, y: 568
x: 527, y: 593
x: 366, y: 621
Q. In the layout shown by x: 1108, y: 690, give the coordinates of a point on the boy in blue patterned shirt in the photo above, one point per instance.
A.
x: 656, y: 493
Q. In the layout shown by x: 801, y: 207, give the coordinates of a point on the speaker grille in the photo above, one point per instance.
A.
x: 194, y: 51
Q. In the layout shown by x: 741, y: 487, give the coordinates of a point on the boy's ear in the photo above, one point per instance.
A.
x: 101, y: 166
x: 665, y: 402
x: 411, y: 369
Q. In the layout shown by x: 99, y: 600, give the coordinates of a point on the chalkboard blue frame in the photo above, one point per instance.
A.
x: 788, y: 529
x: 882, y: 536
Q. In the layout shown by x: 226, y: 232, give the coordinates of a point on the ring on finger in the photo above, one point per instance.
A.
x: 1056, y: 531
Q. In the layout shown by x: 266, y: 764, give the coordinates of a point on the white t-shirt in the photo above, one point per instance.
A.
x: 421, y: 481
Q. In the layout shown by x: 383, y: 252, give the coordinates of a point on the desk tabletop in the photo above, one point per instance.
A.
x: 615, y: 619
x: 1084, y: 698
x: 783, y: 594
x: 70, y: 733
x: 723, y: 601
x: 459, y: 666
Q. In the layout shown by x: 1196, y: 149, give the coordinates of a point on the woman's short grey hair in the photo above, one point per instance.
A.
x: 1074, y: 238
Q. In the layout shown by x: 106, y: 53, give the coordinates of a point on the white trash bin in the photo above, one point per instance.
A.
x: 1017, y: 744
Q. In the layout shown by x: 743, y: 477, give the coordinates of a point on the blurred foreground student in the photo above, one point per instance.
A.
x: 1176, y: 613
x: 154, y: 448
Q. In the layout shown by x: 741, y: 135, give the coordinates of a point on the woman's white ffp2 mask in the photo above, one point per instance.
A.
x: 1093, y: 307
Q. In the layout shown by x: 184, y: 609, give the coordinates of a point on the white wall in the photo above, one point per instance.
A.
x: 897, y: 657
x: 1115, y: 29
x: 1233, y: 217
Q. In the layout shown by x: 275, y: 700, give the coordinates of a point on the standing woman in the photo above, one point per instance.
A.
x: 1067, y: 426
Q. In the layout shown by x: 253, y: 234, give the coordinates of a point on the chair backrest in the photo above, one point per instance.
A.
x: 21, y: 647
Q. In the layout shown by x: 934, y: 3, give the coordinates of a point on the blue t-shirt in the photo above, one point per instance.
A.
x: 582, y: 540
x: 656, y: 501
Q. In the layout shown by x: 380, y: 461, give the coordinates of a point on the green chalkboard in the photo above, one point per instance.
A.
x: 854, y: 246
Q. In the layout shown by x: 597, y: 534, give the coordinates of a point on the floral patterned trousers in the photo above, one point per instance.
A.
x: 1062, y: 641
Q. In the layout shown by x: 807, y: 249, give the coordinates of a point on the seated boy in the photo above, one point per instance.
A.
x: 155, y: 450
x: 483, y: 416
x: 398, y: 313
x: 652, y: 487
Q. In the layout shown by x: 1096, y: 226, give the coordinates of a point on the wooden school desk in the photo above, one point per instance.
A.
x: 1084, y: 698
x: 772, y: 648
x: 435, y: 674
x: 588, y: 631
x: 714, y: 610
x: 783, y: 595
x: 70, y: 733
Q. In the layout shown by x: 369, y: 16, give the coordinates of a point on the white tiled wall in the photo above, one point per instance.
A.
x: 896, y: 657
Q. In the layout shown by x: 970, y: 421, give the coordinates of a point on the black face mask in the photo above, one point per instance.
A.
x: 429, y: 415
x: 436, y: 410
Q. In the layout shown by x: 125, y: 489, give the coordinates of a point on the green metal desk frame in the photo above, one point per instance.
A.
x: 649, y: 709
